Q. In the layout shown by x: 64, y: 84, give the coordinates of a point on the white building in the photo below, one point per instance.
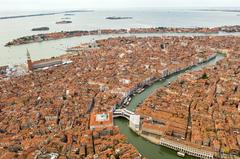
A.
x: 134, y: 122
x: 101, y: 120
x: 186, y: 149
x: 165, y: 72
x: 125, y: 81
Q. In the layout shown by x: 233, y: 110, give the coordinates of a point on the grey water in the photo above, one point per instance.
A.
x: 15, y: 28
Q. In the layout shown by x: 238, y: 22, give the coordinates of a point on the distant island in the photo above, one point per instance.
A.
x: 30, y: 15
x: 118, y: 18
x: 41, y: 29
x: 43, y: 14
x: 78, y: 11
x: 220, y: 10
x: 64, y: 22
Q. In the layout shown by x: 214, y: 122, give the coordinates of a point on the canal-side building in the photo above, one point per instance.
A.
x: 152, y: 130
x: 190, y: 150
x: 164, y: 72
x: 39, y: 65
x: 134, y: 122
x: 35, y: 65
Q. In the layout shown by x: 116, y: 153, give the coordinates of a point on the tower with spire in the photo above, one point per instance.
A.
x: 29, y: 61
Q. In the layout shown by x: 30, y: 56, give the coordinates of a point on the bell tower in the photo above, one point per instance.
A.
x: 29, y: 61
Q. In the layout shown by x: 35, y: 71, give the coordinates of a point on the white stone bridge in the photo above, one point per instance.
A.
x: 122, y: 113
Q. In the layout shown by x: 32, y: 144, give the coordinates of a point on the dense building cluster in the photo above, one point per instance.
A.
x: 61, y: 35
x: 69, y: 34
x: 228, y: 29
x: 200, y: 109
x: 48, y: 113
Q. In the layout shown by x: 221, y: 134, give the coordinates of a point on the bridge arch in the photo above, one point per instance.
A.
x: 122, y: 113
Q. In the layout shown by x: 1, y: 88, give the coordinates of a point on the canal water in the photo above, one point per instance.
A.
x: 147, y: 149
x: 14, y: 28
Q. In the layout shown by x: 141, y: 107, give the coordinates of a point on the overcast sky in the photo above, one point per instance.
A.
x: 111, y: 4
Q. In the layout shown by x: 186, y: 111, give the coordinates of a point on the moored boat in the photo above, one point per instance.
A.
x: 181, y: 154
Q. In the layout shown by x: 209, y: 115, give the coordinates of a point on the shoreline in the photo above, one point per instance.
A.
x: 219, y: 10
x: 42, y: 14
x: 78, y: 33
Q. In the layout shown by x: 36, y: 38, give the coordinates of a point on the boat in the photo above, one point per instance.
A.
x: 140, y: 90
x: 45, y: 68
x: 124, y: 106
x: 125, y: 100
x: 181, y: 154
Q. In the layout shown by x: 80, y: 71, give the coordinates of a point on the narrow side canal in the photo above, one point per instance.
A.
x: 147, y: 149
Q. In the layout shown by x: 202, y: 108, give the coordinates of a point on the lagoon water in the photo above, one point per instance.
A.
x: 15, y: 28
